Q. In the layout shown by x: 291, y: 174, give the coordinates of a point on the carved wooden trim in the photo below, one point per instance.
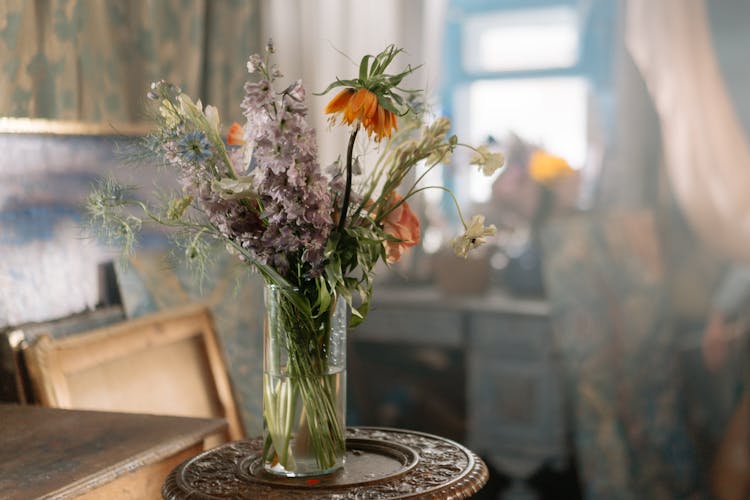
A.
x: 444, y: 470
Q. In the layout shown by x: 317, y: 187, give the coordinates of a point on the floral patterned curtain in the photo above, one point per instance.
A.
x: 92, y: 60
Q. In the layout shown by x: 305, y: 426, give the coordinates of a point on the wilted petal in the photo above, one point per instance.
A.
x: 488, y: 160
x: 474, y: 236
x: 401, y: 224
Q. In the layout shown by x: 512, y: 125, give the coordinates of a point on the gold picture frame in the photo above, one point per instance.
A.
x: 13, y: 125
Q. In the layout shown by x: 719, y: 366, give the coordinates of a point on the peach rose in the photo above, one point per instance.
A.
x: 401, y: 224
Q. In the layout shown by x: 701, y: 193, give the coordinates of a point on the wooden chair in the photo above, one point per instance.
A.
x: 167, y: 363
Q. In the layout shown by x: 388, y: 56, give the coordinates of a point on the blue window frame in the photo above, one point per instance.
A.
x: 515, y: 59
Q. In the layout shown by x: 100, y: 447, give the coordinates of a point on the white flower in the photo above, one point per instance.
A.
x: 254, y: 63
x: 489, y: 161
x: 171, y: 118
x: 473, y: 236
x: 188, y: 108
x: 212, y: 115
x: 232, y: 189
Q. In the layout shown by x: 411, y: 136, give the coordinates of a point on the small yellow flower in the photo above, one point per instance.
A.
x: 545, y: 168
x: 177, y: 207
x: 474, y: 236
x: 488, y: 160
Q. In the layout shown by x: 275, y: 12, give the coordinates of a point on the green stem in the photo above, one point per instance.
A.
x: 305, y: 379
x: 348, y: 187
x: 412, y: 192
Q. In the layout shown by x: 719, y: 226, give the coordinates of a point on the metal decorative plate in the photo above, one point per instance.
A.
x: 367, y: 461
x: 380, y: 463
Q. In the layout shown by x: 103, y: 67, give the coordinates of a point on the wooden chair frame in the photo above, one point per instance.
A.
x: 52, y: 362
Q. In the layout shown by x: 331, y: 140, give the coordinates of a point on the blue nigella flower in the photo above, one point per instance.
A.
x: 194, y: 147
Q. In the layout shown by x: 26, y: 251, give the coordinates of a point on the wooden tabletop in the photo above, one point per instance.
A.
x: 380, y: 463
x: 54, y: 452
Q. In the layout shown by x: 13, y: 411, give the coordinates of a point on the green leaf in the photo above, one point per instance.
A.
x: 363, y: 67
x: 323, y: 298
x: 386, y: 103
x: 333, y: 270
x: 359, y: 314
x: 339, y: 83
x: 384, y: 59
x: 356, y: 313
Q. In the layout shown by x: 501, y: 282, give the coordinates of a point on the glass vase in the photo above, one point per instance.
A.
x: 304, y: 386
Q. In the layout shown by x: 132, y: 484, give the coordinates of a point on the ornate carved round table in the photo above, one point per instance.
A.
x: 380, y: 463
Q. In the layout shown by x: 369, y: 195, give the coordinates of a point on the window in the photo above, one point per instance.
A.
x: 550, y: 112
x: 520, y: 40
x: 517, y: 71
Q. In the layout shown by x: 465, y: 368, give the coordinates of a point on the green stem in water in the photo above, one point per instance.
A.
x: 305, y: 378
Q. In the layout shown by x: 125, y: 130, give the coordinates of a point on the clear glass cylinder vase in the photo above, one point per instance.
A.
x: 304, y: 386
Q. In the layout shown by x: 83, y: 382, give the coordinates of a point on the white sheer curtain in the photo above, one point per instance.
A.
x: 706, y: 151
x: 311, y: 35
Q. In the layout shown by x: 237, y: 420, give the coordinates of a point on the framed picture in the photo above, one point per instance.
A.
x: 52, y: 263
x: 166, y: 363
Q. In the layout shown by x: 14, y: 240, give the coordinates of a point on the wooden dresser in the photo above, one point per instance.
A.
x: 54, y: 453
x: 484, y: 371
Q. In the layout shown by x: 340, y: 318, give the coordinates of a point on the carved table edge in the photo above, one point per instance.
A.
x: 465, y: 486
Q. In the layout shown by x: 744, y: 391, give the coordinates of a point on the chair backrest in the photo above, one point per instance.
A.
x: 167, y: 363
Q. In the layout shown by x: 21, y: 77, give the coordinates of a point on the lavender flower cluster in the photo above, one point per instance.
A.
x: 284, y: 214
x: 293, y: 193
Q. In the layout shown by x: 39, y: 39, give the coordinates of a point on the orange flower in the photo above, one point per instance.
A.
x: 236, y: 135
x: 362, y: 106
x: 339, y: 102
x: 403, y: 225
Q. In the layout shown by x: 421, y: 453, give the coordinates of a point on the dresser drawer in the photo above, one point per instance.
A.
x: 513, y: 394
x: 507, y: 337
x: 412, y: 325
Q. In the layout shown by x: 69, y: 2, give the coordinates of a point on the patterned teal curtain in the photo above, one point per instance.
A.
x: 92, y: 60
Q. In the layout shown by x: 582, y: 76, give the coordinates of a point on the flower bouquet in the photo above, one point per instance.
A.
x: 314, y: 235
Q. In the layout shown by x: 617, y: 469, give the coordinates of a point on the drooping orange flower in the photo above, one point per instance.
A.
x: 361, y: 106
x: 235, y: 137
x: 339, y: 102
x: 401, y: 224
